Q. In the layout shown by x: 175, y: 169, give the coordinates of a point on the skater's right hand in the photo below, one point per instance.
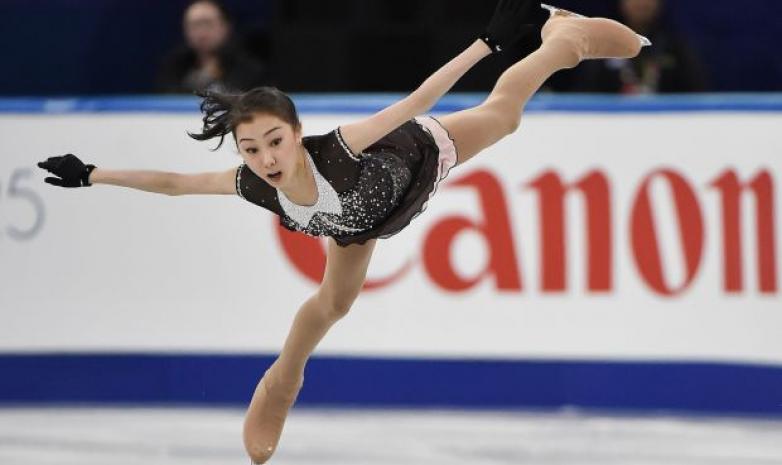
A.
x: 71, y: 171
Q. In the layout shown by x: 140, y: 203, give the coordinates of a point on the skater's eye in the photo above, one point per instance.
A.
x: 251, y: 150
x: 276, y: 142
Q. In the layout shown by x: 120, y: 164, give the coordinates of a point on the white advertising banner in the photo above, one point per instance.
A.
x: 611, y: 236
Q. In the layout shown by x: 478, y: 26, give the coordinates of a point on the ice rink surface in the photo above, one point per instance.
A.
x: 211, y: 437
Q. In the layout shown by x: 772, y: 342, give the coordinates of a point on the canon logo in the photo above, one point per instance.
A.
x: 308, y: 255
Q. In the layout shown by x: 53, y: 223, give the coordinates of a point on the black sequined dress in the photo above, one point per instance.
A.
x: 374, y: 194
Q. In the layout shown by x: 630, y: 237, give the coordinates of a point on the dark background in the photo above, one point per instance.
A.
x: 94, y: 47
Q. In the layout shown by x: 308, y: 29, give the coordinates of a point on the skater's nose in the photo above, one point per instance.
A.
x: 268, y: 160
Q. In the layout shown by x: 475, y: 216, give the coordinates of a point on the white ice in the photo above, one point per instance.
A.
x: 369, y: 437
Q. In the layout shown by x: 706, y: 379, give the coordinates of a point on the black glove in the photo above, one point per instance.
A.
x: 513, y: 21
x: 73, y: 172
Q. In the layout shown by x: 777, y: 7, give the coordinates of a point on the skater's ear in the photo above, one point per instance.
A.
x: 297, y: 133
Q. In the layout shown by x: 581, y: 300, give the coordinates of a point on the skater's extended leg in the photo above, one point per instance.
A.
x: 346, y: 269
x: 566, y: 41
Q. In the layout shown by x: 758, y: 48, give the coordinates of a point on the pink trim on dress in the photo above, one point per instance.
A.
x: 447, y: 158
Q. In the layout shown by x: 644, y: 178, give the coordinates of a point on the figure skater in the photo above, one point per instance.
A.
x: 365, y: 180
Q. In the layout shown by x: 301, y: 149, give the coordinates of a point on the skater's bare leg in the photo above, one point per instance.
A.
x: 567, y: 41
x: 346, y: 269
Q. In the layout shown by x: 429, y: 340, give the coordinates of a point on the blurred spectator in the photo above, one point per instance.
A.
x: 669, y: 65
x: 212, y: 58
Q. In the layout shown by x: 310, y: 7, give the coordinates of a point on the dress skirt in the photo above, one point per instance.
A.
x: 430, y: 153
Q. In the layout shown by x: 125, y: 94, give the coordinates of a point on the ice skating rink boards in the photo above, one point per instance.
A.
x: 657, y: 289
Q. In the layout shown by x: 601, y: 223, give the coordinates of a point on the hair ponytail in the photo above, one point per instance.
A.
x: 218, y: 121
x: 224, y: 111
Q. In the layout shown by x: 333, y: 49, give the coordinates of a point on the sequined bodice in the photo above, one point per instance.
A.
x: 327, y: 199
x: 381, y: 183
x: 355, y: 193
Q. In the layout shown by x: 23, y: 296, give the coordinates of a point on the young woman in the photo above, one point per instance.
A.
x: 364, y: 180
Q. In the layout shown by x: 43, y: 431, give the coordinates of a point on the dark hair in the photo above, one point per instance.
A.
x: 224, y: 111
x: 220, y: 6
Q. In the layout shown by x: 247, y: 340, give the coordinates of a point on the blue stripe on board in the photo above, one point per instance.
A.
x: 369, y: 103
x: 137, y: 379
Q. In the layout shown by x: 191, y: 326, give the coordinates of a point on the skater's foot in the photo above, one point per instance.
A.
x: 582, y: 38
x: 272, y: 400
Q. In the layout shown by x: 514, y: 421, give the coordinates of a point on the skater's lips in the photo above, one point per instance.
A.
x: 275, y: 176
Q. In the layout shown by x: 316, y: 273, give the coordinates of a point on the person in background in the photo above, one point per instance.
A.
x: 668, y: 66
x: 212, y: 58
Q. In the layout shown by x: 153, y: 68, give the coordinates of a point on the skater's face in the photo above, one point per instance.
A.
x: 271, y: 148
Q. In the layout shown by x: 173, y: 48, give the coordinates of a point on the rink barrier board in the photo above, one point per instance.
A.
x: 217, y: 380
x: 228, y: 380
x: 368, y: 103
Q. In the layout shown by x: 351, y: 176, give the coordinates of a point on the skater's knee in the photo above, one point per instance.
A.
x: 337, y: 311
x: 508, y: 123
x: 512, y: 123
x: 505, y: 115
x: 336, y: 303
x: 338, y: 307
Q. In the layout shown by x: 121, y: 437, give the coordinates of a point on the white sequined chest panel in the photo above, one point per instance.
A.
x: 328, y: 200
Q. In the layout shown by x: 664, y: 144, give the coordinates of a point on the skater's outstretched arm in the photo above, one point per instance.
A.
x: 360, y: 135
x: 69, y: 171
